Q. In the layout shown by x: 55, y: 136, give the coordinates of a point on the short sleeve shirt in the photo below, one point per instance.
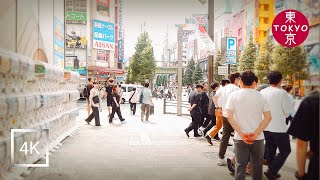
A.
x: 248, y: 106
x: 116, y: 95
x: 146, y: 96
x: 204, y: 104
x: 223, y: 95
x: 109, y: 90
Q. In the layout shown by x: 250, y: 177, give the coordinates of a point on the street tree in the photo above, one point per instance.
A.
x: 264, y: 60
x: 217, y: 63
x: 142, y: 65
x: 248, y: 57
x: 189, y: 72
x: 197, y: 74
x: 291, y: 62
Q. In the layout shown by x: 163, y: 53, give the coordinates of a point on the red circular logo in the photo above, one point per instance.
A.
x: 290, y: 28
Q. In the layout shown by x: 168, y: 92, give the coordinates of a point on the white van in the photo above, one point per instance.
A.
x: 127, y: 88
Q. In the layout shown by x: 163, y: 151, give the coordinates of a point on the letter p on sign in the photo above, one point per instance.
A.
x: 231, y: 43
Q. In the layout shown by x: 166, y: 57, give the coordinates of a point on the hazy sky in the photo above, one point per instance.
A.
x: 158, y: 15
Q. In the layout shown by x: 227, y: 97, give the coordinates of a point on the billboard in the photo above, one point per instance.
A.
x: 229, y: 50
x: 103, y: 55
x: 75, y: 39
x: 103, y: 35
x: 58, y: 43
x: 76, y: 18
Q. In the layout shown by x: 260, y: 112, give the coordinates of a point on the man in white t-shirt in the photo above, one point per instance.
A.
x: 276, y: 133
x: 146, y: 102
x: 244, y: 109
x: 220, y: 100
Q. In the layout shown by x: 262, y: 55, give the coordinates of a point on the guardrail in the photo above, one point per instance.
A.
x: 174, y: 103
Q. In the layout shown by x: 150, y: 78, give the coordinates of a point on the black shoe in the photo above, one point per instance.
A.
x: 98, y: 125
x: 278, y: 176
x: 269, y: 175
x: 217, y: 138
x: 110, y: 122
x: 230, y: 165
x: 209, y: 140
x: 197, y: 135
x: 229, y: 144
x: 187, y: 133
x: 122, y: 119
x: 204, y: 133
x: 87, y: 122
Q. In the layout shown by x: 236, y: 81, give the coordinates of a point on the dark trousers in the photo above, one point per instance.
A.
x: 254, y: 152
x: 274, y: 141
x: 133, y: 107
x: 117, y: 110
x: 226, y: 133
x: 209, y: 125
x: 94, y: 114
x: 194, y: 125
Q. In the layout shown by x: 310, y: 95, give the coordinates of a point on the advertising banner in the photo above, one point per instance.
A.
x: 103, y: 35
x: 120, y: 51
x: 74, y: 40
x: 76, y: 18
x: 103, y: 55
x: 58, y: 43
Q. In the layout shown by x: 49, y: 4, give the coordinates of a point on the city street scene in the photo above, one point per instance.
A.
x: 161, y: 90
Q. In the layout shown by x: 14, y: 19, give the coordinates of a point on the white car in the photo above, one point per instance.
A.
x: 127, y: 88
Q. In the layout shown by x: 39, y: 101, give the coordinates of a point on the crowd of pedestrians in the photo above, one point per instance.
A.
x: 259, y: 122
x: 113, y: 96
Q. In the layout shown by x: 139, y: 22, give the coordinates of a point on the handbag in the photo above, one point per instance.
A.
x: 131, y: 96
x: 96, y: 99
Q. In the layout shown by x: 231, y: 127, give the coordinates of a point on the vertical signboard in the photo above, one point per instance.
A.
x: 121, y: 38
x: 58, y: 43
x: 103, y: 35
x: 229, y: 50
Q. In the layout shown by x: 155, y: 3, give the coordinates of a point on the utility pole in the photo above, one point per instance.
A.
x: 211, y: 34
x: 179, y: 106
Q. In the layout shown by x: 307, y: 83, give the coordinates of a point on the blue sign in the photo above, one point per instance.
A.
x: 231, y: 51
x: 103, y: 35
x: 120, y: 51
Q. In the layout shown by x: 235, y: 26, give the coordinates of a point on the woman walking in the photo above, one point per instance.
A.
x: 115, y: 104
x: 133, y: 101
x: 94, y: 103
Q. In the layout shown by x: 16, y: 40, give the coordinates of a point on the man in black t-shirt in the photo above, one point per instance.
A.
x: 305, y: 127
x: 89, y: 86
x: 195, y: 112
x: 108, y: 96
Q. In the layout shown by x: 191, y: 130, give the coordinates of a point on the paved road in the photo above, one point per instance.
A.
x: 157, y: 150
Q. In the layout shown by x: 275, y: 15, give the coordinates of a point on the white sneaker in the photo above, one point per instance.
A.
x: 221, y: 162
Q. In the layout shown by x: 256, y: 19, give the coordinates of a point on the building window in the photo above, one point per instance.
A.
x: 266, y: 20
x: 103, y: 7
x: 266, y: 7
x: 239, y: 43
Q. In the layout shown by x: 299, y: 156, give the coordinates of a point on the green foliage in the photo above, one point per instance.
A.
x: 197, y: 74
x: 142, y: 64
x: 162, y: 80
x: 264, y: 61
x: 290, y: 61
x: 189, y: 72
x: 249, y: 57
x: 217, y: 63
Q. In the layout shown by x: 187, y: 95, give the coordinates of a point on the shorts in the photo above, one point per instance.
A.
x: 109, y: 100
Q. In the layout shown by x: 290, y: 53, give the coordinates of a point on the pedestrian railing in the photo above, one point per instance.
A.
x: 170, y: 107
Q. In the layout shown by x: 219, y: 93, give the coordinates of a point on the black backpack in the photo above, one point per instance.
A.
x: 85, y: 92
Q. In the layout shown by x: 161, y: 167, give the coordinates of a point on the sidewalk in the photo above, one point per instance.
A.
x: 158, y: 149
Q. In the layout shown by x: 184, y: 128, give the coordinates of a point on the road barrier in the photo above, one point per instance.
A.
x: 174, y: 103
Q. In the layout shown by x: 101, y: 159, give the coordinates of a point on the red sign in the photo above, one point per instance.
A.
x: 290, y: 28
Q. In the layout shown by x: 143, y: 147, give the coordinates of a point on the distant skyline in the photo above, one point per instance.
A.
x: 158, y: 16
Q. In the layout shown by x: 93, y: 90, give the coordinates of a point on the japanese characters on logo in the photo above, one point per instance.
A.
x: 290, y: 28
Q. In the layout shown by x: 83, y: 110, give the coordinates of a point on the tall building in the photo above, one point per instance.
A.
x: 94, y: 38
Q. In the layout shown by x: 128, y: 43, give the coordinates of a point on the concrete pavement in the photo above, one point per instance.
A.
x: 158, y: 149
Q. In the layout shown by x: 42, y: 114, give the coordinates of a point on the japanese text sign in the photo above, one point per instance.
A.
x: 103, y: 35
